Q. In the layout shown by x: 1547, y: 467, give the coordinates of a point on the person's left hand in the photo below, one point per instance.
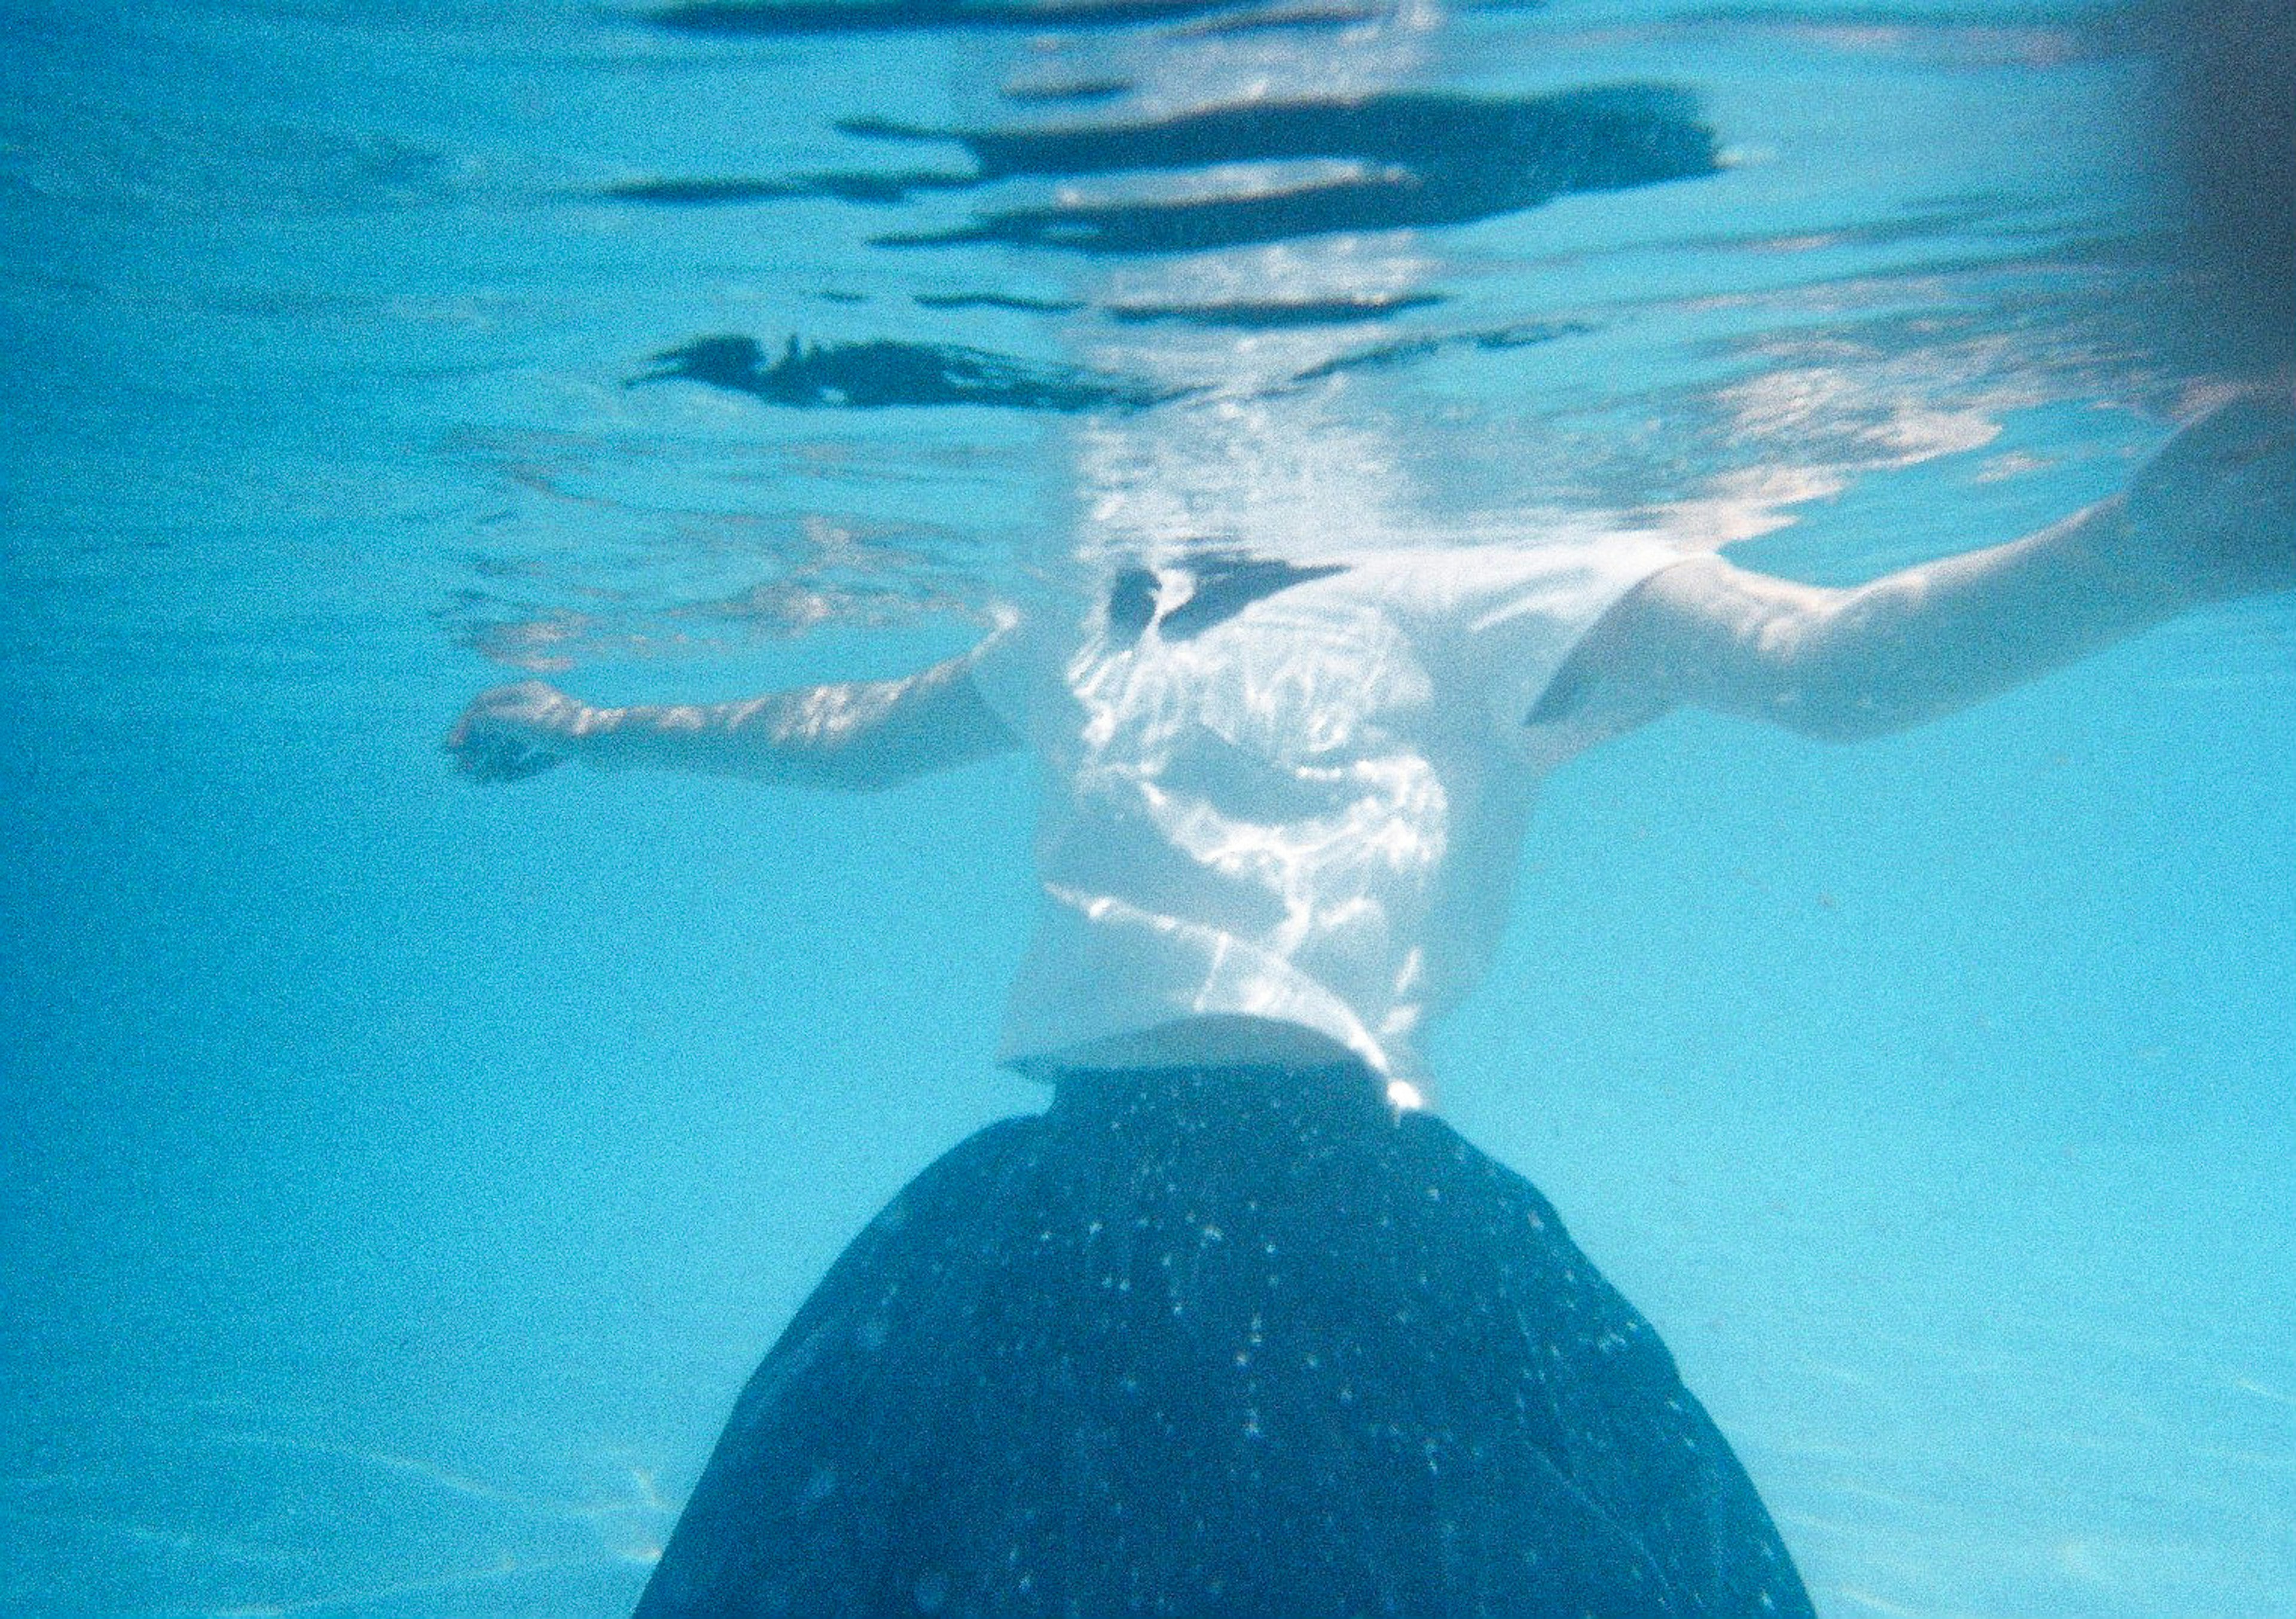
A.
x: 2218, y: 503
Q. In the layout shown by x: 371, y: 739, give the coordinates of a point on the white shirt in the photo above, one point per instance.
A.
x: 1285, y: 807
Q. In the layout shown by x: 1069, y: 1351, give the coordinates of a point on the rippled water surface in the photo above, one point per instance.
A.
x: 401, y: 1177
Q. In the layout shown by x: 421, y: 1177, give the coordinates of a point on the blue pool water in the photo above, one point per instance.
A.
x: 401, y: 1177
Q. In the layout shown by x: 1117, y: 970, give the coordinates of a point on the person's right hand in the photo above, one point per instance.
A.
x: 2219, y: 500
x: 511, y: 733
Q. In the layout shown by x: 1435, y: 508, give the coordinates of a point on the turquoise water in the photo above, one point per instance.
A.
x: 401, y: 1177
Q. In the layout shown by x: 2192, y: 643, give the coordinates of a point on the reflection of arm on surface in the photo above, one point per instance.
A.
x: 857, y: 735
x: 2211, y: 519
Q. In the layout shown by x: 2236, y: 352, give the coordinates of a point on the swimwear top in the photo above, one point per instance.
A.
x: 1284, y: 805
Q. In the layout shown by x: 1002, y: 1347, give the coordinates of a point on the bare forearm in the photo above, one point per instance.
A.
x: 1936, y: 638
x: 845, y: 736
x: 2212, y: 517
x: 857, y: 736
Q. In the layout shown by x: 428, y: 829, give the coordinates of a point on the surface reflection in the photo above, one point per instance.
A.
x: 1194, y: 144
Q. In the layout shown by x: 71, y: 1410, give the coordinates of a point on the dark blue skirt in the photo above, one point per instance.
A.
x: 1220, y: 1343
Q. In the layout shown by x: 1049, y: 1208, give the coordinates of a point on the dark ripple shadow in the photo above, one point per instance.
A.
x: 787, y: 19
x: 1415, y: 160
x: 1074, y: 92
x: 858, y: 186
x: 1423, y: 158
x: 1610, y: 135
x: 1278, y: 19
x: 1405, y: 351
x: 1010, y: 301
x: 882, y: 372
x: 1274, y: 315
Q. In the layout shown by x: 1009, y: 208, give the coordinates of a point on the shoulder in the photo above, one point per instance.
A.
x: 1675, y: 636
x: 1498, y: 625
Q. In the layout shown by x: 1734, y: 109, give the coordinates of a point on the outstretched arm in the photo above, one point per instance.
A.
x: 2212, y: 517
x: 859, y: 735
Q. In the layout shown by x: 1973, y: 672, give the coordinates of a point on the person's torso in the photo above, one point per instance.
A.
x: 1284, y: 805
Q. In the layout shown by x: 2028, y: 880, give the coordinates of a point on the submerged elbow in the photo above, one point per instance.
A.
x: 1840, y: 672
x: 1833, y: 664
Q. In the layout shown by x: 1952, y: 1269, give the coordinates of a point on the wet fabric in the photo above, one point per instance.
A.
x: 1285, y: 796
x: 1215, y: 1343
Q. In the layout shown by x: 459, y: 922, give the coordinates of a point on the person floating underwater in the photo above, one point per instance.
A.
x: 1237, y: 1326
